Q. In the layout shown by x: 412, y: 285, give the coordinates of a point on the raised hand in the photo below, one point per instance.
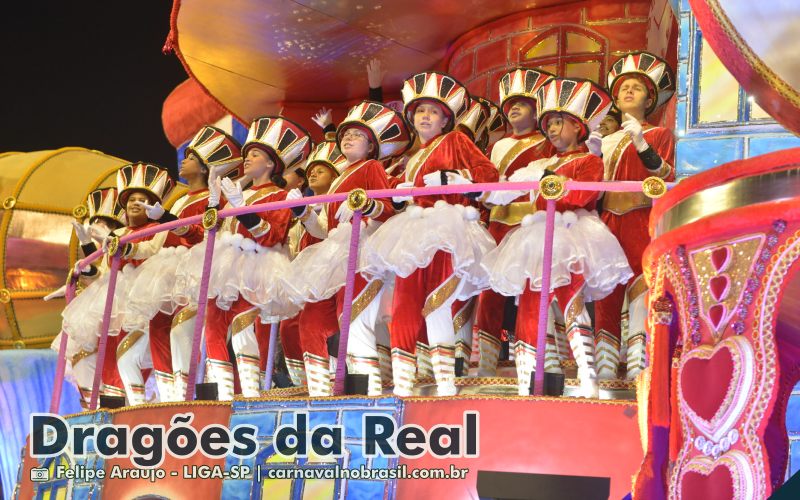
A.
x: 154, y: 212
x: 375, y: 73
x: 633, y: 128
x: 595, y: 143
x: 232, y: 191
x: 81, y: 233
x: 323, y: 118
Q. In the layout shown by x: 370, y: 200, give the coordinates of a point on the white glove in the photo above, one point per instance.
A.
x: 402, y: 199
x: 454, y: 178
x: 61, y: 292
x: 432, y: 179
x: 533, y: 172
x: 98, y: 232
x: 77, y: 268
x: 344, y: 214
x: 213, y: 188
x: 154, y: 212
x: 294, y: 194
x: 323, y: 118
x: 81, y: 233
x: 232, y: 191
x: 595, y: 143
x: 503, y: 197
x: 633, y: 128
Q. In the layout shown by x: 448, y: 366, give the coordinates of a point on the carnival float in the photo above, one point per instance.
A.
x: 364, y: 226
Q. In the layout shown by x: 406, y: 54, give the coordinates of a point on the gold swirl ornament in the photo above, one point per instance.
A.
x: 80, y: 211
x: 9, y: 203
x: 357, y: 199
x: 210, y: 218
x: 5, y: 296
x: 654, y: 187
x: 552, y: 187
x: 112, y: 245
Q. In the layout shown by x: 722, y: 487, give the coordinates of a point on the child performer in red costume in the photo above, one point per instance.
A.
x: 369, y: 133
x: 639, y: 82
x: 475, y: 123
x: 518, y: 90
x: 151, y: 295
x: 127, y: 353
x: 324, y: 165
x: 586, y: 257
x: 105, y: 215
x: 250, y: 256
x: 435, y: 246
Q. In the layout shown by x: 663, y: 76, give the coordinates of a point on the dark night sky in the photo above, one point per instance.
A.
x: 87, y: 73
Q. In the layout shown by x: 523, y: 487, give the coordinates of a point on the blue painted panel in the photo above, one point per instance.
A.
x: 763, y: 145
x: 695, y: 155
x: 236, y: 488
x: 265, y: 422
x: 316, y: 418
x: 366, y: 490
x: 683, y: 88
x: 794, y: 459
x: 793, y: 415
x: 238, y: 130
x: 80, y: 492
x: 685, y: 37
x: 680, y: 118
x: 380, y: 462
x: 356, y: 456
x: 396, y: 402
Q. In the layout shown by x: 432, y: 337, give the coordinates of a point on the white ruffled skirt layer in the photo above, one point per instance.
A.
x: 409, y: 240
x: 151, y: 291
x: 82, y: 319
x: 240, y: 267
x: 605, y: 264
x: 582, y: 244
x: 320, y: 270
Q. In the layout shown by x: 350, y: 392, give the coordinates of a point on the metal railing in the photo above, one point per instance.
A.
x: 550, y: 188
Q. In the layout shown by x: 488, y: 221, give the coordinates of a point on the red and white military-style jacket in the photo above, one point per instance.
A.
x: 273, y: 228
x: 622, y: 163
x: 509, y: 155
x: 450, y: 151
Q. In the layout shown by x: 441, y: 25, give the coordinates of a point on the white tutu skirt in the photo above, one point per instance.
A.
x: 83, y: 317
x: 73, y: 348
x: 151, y: 291
x: 605, y: 264
x: 188, y: 272
x: 240, y: 267
x: 320, y: 270
x: 517, y: 261
x: 409, y: 240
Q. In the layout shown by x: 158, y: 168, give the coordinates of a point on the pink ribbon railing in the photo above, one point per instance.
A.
x: 615, y: 186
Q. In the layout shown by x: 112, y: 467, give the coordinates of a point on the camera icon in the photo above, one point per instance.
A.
x: 40, y: 475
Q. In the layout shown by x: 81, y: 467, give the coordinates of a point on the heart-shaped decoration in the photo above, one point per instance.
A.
x: 714, y: 384
x: 715, y: 314
x: 720, y: 258
x: 719, y: 287
x: 729, y: 477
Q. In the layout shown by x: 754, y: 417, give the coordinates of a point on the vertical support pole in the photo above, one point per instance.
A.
x: 61, y: 365
x: 273, y: 340
x: 544, y: 300
x: 200, y: 319
x: 103, y: 343
x: 344, y: 333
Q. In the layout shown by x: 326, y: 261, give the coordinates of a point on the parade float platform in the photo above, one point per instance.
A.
x: 544, y: 435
